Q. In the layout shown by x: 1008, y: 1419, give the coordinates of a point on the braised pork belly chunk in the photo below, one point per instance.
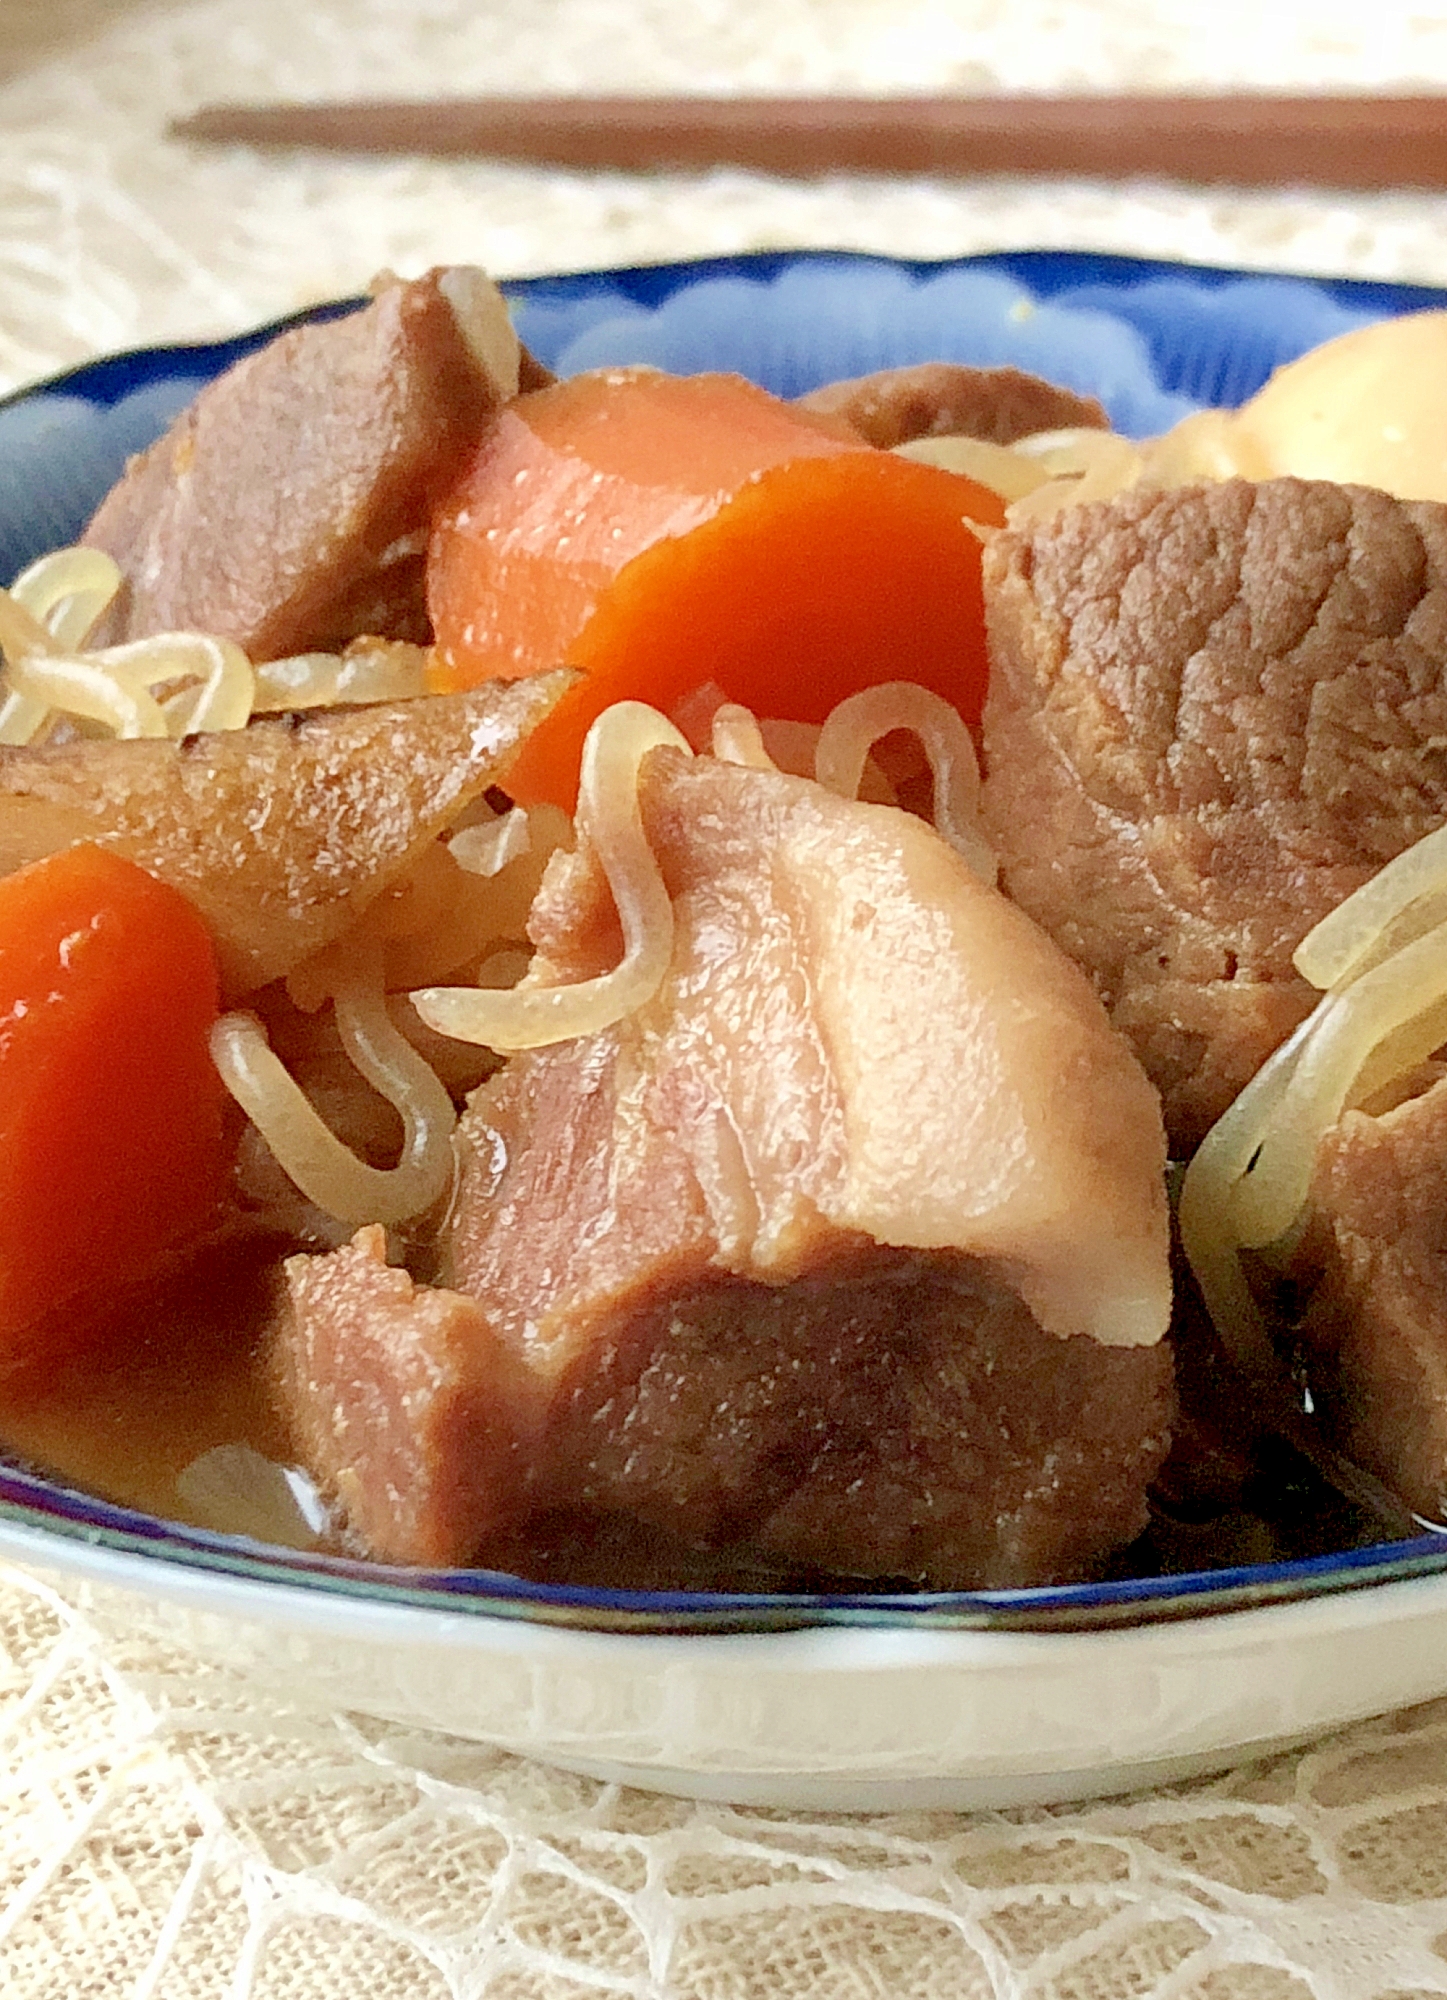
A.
x: 947, y: 399
x: 850, y: 1244
x: 288, y: 507
x: 1213, y: 713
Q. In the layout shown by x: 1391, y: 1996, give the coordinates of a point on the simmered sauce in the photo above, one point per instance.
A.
x: 152, y: 1381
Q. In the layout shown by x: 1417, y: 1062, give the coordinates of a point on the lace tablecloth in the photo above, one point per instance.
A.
x: 162, y: 1835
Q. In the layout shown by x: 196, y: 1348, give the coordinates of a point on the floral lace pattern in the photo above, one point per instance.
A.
x: 164, y: 1836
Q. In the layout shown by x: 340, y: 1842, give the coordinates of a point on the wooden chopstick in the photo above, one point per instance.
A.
x: 1249, y: 139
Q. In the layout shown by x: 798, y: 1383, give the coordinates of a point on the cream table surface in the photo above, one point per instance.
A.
x: 162, y: 1835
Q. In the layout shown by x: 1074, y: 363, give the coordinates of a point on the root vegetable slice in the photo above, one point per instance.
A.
x: 663, y: 533
x: 111, y: 1148
x: 280, y: 834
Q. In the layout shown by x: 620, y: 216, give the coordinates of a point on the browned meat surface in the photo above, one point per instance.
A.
x: 283, y: 832
x: 288, y: 507
x: 760, y: 1252
x: 945, y: 399
x: 1378, y: 1315
x: 398, y: 1401
x: 905, y: 1418
x: 1213, y: 713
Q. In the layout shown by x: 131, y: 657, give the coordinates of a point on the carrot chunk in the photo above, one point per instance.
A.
x: 663, y: 532
x: 111, y: 1141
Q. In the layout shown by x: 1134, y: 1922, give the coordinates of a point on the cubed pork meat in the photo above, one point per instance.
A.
x: 288, y: 507
x: 947, y: 399
x: 850, y: 1244
x: 1213, y: 713
x: 1377, y: 1318
x: 396, y: 1394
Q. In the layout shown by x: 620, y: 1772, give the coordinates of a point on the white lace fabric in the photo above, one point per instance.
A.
x: 164, y: 1834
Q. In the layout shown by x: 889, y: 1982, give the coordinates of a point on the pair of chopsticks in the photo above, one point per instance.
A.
x: 1251, y: 139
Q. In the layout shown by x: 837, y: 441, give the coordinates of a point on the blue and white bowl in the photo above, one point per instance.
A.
x: 838, y: 1702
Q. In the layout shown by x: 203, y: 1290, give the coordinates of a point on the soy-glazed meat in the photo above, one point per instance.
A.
x: 287, y: 508
x: 947, y: 399
x: 850, y: 1244
x: 1213, y: 713
x: 1376, y: 1253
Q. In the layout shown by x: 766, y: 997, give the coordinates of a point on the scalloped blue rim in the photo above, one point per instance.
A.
x: 46, y: 1509
x: 1047, y: 273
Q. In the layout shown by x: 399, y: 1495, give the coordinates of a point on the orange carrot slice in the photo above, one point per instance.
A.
x: 111, y: 1148
x: 662, y: 532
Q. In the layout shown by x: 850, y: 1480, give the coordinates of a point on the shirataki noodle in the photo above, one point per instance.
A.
x: 1382, y: 958
x: 326, y: 1170
x: 532, y: 1016
x: 856, y: 725
x: 172, y: 684
x: 467, y: 897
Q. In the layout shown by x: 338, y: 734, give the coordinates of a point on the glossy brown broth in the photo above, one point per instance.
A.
x: 152, y: 1381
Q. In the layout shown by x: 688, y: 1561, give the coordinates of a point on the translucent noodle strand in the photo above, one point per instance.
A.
x: 1399, y: 1053
x: 22, y: 717
x: 375, y: 670
x: 227, y: 688
x: 49, y: 609
x: 488, y: 849
x: 1382, y: 957
x: 410, y: 1085
x: 329, y: 1173
x: 21, y: 631
x: 856, y: 725
x: 66, y: 591
x: 22, y: 637
x: 1207, y: 1201
x: 1011, y: 474
x: 80, y: 687
x: 1347, y: 937
x: 45, y: 620
x: 1083, y: 465
x: 1212, y: 1239
x: 223, y: 700
x: 530, y: 1017
x: 738, y: 739
x: 51, y: 669
x: 1345, y: 1028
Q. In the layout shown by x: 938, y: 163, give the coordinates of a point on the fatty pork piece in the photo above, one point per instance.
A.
x: 280, y: 833
x: 288, y: 507
x: 1213, y: 713
x: 948, y: 399
x: 850, y: 1244
x: 1376, y: 1321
